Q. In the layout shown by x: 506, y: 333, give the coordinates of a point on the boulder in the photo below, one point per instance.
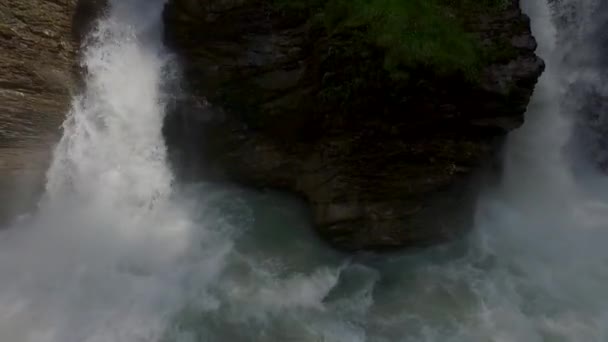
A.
x: 273, y: 100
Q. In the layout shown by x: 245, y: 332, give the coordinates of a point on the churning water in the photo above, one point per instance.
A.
x: 116, y: 252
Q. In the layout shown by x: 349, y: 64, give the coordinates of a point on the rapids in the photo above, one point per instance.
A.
x: 117, y: 250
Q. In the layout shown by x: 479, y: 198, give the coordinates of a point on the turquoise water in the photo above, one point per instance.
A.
x: 118, y: 250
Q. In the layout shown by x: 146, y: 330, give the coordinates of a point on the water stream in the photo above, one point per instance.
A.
x: 118, y: 251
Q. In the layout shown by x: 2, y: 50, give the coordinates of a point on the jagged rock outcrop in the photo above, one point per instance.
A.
x: 275, y: 101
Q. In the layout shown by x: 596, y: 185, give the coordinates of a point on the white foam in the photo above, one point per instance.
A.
x: 115, y: 253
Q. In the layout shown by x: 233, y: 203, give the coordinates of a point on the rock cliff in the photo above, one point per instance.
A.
x: 39, y: 41
x: 37, y: 59
x: 273, y: 99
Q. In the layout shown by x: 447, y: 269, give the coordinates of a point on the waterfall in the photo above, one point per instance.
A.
x: 117, y: 251
x: 98, y: 260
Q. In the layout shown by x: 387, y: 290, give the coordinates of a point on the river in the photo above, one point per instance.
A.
x: 118, y: 250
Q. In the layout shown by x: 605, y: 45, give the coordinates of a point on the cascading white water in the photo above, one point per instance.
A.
x: 112, y: 140
x: 97, y: 261
x: 113, y: 253
x: 116, y: 253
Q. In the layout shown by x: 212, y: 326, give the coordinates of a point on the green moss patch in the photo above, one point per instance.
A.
x: 412, y: 33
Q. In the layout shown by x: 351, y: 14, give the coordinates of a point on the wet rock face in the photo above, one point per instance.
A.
x: 273, y: 101
x: 39, y: 40
x: 37, y: 57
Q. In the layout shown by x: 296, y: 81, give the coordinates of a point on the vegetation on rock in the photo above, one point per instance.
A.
x: 412, y: 33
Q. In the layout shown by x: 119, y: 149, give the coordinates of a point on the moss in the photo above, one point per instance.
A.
x: 412, y: 33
